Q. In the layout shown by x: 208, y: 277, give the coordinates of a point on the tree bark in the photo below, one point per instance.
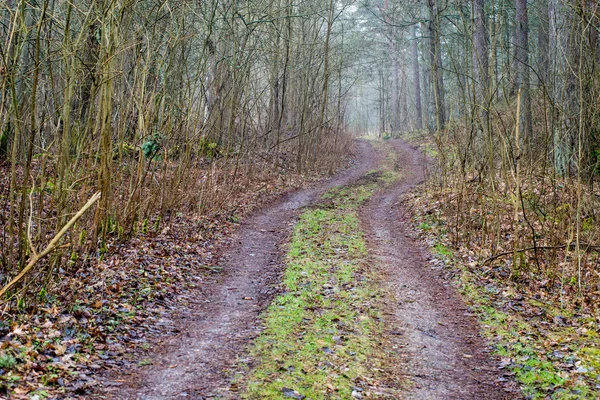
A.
x: 381, y: 103
x: 403, y: 95
x: 480, y: 53
x: 542, y: 41
x: 437, y: 75
x: 394, y: 104
x: 563, y: 87
x: 522, y: 69
x: 325, y: 90
x: 416, y: 79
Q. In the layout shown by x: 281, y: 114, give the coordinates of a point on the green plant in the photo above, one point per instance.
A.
x: 7, y: 361
x: 4, y: 142
x: 443, y: 251
x: 152, y: 146
x: 424, y: 226
x: 208, y: 147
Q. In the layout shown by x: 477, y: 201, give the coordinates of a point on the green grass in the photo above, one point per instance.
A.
x: 320, y: 334
x: 443, y: 251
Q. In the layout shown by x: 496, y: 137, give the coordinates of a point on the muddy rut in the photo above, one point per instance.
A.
x: 197, y: 363
x: 438, y: 344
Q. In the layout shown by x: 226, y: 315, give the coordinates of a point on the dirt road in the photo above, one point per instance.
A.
x: 436, y: 338
x: 197, y: 363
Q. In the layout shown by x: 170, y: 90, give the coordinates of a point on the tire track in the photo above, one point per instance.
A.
x: 440, y: 349
x: 198, y: 362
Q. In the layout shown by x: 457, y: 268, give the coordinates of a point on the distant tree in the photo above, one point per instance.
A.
x: 436, y: 64
x: 522, y: 78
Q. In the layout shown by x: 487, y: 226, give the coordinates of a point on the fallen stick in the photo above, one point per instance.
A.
x: 585, y: 246
x: 51, y: 246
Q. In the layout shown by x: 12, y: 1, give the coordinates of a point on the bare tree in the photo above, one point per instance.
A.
x: 416, y: 78
x: 522, y: 68
x: 437, y: 69
x: 480, y: 55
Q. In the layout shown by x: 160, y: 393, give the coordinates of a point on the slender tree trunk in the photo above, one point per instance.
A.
x: 394, y: 104
x: 563, y: 82
x: 437, y: 74
x: 65, y: 142
x: 522, y: 70
x: 403, y: 95
x: 542, y: 41
x: 284, y: 80
x: 381, y: 102
x: 428, y: 101
x: 416, y: 79
x: 480, y: 57
x: 325, y: 90
x: 32, y: 131
x: 393, y: 56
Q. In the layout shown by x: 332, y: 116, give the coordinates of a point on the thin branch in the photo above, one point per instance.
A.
x: 52, y: 245
x: 564, y: 246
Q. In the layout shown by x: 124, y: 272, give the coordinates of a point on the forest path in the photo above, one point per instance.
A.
x: 439, y: 346
x: 197, y: 363
x: 439, y: 350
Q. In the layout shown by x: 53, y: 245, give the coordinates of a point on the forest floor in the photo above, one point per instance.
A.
x: 327, y: 292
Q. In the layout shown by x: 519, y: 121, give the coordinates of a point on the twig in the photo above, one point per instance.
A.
x: 52, y: 245
x: 564, y: 246
x: 29, y: 240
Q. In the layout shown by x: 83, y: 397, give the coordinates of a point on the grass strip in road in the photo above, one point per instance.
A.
x: 323, y: 334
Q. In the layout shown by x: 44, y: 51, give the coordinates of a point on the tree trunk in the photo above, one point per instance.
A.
x: 395, y: 110
x: 325, y: 90
x: 403, y: 95
x: 437, y: 75
x: 416, y: 79
x: 381, y: 103
x: 429, y: 104
x: 542, y: 41
x: 522, y: 70
x: 480, y: 55
x: 563, y: 86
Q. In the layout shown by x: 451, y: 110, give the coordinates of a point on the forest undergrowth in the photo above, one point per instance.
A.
x: 81, y: 313
x: 523, y: 245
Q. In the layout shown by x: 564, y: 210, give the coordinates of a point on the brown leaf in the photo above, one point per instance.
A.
x: 22, y: 390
